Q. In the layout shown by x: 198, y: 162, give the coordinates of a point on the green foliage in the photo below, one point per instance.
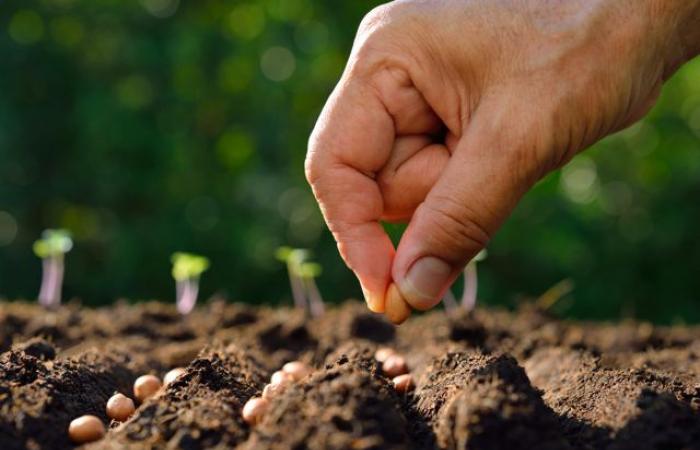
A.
x: 53, y: 243
x: 187, y: 266
x: 148, y: 126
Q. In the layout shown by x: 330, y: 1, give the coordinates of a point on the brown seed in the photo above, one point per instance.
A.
x: 120, y: 407
x: 383, y: 353
x: 397, y: 310
x: 394, y: 366
x: 172, y: 375
x: 271, y: 390
x: 403, y: 383
x: 281, y: 377
x: 146, y: 386
x: 86, y: 429
x: 254, y: 410
x: 296, y: 369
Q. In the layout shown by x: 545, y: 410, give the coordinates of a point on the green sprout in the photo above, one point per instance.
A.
x: 187, y: 268
x: 51, y: 248
x: 302, y: 274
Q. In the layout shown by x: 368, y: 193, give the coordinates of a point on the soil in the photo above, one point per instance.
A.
x: 490, y: 379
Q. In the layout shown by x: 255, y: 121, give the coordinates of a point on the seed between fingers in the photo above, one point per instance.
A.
x: 397, y: 310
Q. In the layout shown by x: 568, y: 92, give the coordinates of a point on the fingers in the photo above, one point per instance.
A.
x: 479, y: 187
x: 413, y: 168
x: 352, y: 140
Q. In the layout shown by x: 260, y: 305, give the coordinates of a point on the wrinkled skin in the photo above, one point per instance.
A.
x: 450, y: 110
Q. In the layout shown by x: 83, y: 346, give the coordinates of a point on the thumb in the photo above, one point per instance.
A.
x: 485, y: 177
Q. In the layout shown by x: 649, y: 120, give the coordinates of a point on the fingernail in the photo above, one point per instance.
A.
x: 425, y: 282
x: 374, y: 302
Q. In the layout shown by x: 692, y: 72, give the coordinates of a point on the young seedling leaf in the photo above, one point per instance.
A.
x: 188, y: 266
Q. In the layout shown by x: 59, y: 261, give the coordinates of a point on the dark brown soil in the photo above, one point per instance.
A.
x: 486, y: 380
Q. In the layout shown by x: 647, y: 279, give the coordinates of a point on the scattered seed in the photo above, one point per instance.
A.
x: 396, y: 308
x: 281, y: 377
x: 254, y: 410
x: 146, y: 386
x: 296, y: 369
x: 272, y: 390
x: 403, y: 383
x: 86, y: 429
x: 383, y: 353
x: 172, y: 375
x: 394, y: 366
x: 120, y: 407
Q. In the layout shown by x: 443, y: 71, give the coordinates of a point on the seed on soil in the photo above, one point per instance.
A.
x: 394, y: 366
x: 120, y: 407
x: 281, y: 378
x: 396, y: 309
x: 383, y: 353
x: 146, y: 386
x: 271, y: 390
x: 403, y: 383
x: 254, y: 410
x: 86, y: 429
x: 296, y: 369
x: 172, y: 375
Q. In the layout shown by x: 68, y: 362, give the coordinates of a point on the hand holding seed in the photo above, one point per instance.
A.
x: 448, y: 112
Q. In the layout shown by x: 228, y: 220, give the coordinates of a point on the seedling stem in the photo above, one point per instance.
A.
x: 51, y: 248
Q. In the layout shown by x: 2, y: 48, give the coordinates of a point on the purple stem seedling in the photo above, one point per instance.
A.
x: 294, y: 258
x: 308, y: 272
x: 51, y: 248
x: 302, y: 274
x: 187, y: 269
x: 470, y: 282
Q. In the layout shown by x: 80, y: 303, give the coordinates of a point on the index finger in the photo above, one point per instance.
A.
x: 351, y: 142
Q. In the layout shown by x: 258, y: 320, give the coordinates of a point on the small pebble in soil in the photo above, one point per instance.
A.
x: 383, y: 353
x: 396, y: 308
x: 394, y: 366
x: 296, y: 369
x: 146, y: 386
x: 120, y: 407
x: 403, y: 383
x: 86, y: 429
x: 281, y: 377
x: 172, y: 375
x: 254, y: 410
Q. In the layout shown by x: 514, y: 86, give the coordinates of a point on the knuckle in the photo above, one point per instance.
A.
x: 374, y: 20
x: 455, y: 227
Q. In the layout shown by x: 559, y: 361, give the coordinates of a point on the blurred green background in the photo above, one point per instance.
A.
x: 151, y: 126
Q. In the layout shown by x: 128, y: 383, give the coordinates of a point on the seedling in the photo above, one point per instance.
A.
x: 309, y: 272
x: 470, y: 287
x: 470, y: 282
x: 552, y: 295
x: 51, y: 248
x: 302, y: 275
x: 187, y: 268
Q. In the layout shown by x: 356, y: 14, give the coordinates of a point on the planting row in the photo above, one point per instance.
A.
x: 350, y: 381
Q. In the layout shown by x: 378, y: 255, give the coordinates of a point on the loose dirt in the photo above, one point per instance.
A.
x: 490, y: 379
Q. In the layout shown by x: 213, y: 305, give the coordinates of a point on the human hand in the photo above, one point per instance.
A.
x: 450, y: 110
